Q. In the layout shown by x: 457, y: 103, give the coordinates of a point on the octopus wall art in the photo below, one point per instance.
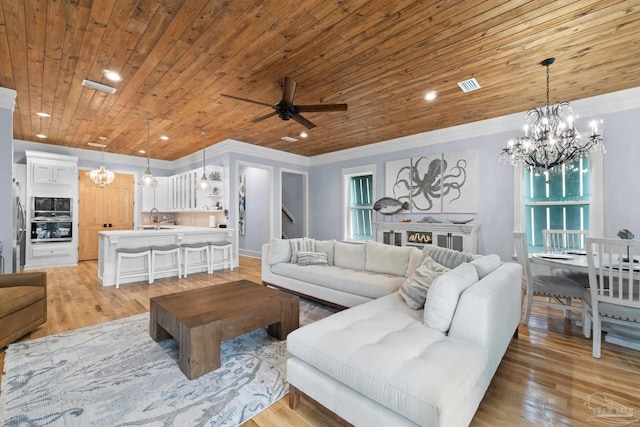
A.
x: 445, y: 182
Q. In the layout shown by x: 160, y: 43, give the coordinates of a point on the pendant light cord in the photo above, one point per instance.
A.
x: 148, y: 141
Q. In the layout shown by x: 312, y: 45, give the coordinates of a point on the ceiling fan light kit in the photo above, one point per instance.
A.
x: 287, y: 110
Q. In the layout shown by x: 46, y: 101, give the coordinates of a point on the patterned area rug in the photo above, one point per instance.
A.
x: 114, y: 374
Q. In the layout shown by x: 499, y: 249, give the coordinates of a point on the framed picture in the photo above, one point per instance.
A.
x: 460, y: 182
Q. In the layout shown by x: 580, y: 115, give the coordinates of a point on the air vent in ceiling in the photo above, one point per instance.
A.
x: 98, y: 86
x: 288, y: 139
x: 469, y: 85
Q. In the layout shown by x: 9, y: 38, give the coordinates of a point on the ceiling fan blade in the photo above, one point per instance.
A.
x: 321, y: 107
x: 246, y: 100
x: 266, y: 116
x: 304, y: 122
x: 288, y: 89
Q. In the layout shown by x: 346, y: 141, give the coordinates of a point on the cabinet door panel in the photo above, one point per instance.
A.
x: 42, y: 174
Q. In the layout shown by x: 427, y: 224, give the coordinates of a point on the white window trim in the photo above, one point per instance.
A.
x: 347, y: 173
x: 596, y: 205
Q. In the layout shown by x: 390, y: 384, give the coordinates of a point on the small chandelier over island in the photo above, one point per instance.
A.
x: 101, y: 176
x: 551, y: 138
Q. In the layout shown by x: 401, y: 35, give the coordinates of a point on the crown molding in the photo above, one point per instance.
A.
x: 595, y: 106
x: 8, y: 98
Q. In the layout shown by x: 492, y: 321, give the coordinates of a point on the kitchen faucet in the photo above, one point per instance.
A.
x: 155, y: 217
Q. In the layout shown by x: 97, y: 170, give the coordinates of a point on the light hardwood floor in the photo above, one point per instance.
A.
x: 544, y: 378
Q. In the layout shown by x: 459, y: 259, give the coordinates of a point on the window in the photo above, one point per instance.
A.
x: 358, y: 203
x: 562, y: 200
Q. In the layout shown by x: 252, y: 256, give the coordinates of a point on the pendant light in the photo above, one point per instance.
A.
x: 204, y: 182
x: 148, y: 180
x: 101, y: 176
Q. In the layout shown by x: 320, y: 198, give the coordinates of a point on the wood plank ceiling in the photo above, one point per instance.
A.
x: 379, y: 56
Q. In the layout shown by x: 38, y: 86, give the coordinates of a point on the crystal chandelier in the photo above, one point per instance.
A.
x: 101, y: 176
x: 551, y: 138
x: 148, y: 180
x: 204, y: 182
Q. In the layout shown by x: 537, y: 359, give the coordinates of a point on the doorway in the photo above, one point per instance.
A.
x: 103, y: 209
x: 255, y: 227
x: 294, y: 204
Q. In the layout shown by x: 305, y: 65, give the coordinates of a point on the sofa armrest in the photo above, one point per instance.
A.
x: 266, y: 268
x: 489, y: 311
x: 23, y: 279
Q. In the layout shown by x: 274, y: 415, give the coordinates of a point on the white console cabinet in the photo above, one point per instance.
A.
x: 460, y: 237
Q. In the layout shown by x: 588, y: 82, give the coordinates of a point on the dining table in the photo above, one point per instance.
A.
x: 577, y: 261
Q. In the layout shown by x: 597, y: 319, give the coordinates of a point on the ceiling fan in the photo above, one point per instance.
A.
x: 285, y: 109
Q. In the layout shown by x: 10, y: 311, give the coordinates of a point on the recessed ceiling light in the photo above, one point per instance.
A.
x: 141, y: 151
x: 303, y: 134
x: 164, y: 138
x: 112, y: 75
x: 98, y: 86
x: 41, y: 135
x: 430, y: 96
x: 43, y: 114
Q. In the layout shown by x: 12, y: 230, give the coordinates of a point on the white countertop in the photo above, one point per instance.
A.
x: 165, y: 229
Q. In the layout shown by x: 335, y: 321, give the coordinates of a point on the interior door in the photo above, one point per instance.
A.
x: 100, y: 209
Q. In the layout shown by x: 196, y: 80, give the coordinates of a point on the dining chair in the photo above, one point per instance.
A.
x: 613, y: 295
x: 560, y: 290
x: 566, y: 241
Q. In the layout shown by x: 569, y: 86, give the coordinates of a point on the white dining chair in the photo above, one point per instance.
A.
x: 567, y: 242
x: 560, y: 290
x: 613, y: 295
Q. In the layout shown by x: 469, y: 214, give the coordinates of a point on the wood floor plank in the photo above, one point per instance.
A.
x: 545, y: 376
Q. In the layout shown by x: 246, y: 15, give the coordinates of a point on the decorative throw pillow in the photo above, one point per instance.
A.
x: 312, y: 258
x: 297, y: 245
x: 279, y: 251
x: 326, y: 246
x: 447, y: 257
x: 415, y: 288
x: 349, y: 255
x: 444, y: 294
x: 486, y: 264
x: 387, y: 259
x: 416, y: 256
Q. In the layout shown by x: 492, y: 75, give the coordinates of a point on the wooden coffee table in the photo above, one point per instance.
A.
x: 200, y: 319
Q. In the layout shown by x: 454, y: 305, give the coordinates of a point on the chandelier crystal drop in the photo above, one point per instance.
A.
x: 204, y: 182
x: 102, y: 176
x: 148, y: 180
x: 551, y: 138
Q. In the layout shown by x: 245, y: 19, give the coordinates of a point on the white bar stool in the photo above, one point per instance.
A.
x: 166, y: 250
x: 133, y: 253
x: 225, y: 246
x: 203, y: 248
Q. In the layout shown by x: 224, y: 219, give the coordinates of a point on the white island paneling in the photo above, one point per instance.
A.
x: 109, y: 241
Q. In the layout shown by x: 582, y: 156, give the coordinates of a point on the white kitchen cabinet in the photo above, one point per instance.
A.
x: 460, y: 237
x: 43, y: 173
x: 156, y: 196
x: 184, y: 192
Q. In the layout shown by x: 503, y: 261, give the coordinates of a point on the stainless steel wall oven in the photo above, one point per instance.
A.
x: 51, y: 220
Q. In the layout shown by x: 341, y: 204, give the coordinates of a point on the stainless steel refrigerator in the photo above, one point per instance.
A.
x: 19, y: 228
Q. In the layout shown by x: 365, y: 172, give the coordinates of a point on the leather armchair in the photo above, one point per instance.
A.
x: 23, y: 304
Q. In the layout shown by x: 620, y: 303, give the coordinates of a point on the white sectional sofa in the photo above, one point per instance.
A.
x: 383, y: 363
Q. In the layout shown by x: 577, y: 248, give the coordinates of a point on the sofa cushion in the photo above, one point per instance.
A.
x: 415, y: 288
x: 444, y: 294
x: 389, y: 259
x: 14, y: 298
x: 447, y: 257
x: 357, y: 282
x: 312, y: 258
x: 302, y: 244
x: 382, y: 350
x: 416, y: 256
x: 349, y: 255
x: 326, y: 246
x: 486, y: 264
x: 279, y: 251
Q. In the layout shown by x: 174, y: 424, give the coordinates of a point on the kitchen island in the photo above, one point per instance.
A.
x: 109, y: 241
